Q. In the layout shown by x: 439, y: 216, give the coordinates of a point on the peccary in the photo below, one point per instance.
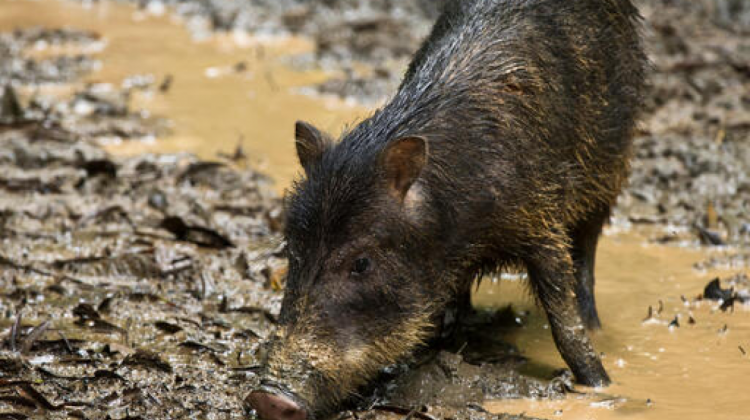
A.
x: 506, y: 144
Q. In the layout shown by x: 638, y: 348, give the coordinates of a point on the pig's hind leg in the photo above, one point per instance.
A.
x: 584, y: 238
x: 552, y: 274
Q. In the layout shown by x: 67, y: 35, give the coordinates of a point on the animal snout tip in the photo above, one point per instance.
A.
x: 270, y: 406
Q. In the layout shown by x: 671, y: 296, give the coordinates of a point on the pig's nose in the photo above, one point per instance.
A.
x: 275, y: 407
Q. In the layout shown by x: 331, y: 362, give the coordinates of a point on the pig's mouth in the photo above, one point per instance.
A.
x: 271, y: 401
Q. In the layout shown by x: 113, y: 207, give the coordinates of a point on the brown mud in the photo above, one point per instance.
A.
x: 137, y: 285
x: 219, y: 93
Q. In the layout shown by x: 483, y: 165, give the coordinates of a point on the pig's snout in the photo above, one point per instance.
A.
x: 271, y: 406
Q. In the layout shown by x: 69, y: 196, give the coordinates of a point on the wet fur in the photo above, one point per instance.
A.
x: 528, y: 109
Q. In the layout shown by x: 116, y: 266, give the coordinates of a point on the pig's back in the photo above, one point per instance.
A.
x: 541, y: 94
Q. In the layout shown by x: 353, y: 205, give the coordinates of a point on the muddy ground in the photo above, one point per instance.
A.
x: 140, y: 287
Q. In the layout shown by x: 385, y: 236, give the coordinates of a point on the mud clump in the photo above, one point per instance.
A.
x: 476, y: 365
x: 19, y: 65
x: 452, y: 388
x: 738, y: 291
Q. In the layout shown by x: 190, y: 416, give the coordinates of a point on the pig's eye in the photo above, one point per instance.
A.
x: 361, y: 265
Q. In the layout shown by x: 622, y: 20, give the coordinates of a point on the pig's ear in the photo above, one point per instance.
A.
x: 403, y: 160
x: 311, y: 143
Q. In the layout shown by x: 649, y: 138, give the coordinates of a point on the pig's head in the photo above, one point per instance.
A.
x: 360, y: 293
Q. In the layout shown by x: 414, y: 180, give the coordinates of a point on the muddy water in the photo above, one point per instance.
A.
x: 692, y: 372
x: 213, y: 102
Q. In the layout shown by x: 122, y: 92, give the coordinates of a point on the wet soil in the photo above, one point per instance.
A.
x: 138, y: 285
x: 129, y: 286
x: 692, y: 156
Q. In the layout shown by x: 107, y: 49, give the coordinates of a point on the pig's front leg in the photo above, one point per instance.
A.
x: 552, y: 277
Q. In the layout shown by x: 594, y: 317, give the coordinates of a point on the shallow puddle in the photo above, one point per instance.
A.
x: 231, y: 89
x: 694, y: 371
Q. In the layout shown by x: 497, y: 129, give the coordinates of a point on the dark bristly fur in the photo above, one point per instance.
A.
x: 506, y: 144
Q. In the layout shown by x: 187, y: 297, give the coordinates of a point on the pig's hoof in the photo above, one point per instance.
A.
x: 275, y: 407
x: 596, y: 378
